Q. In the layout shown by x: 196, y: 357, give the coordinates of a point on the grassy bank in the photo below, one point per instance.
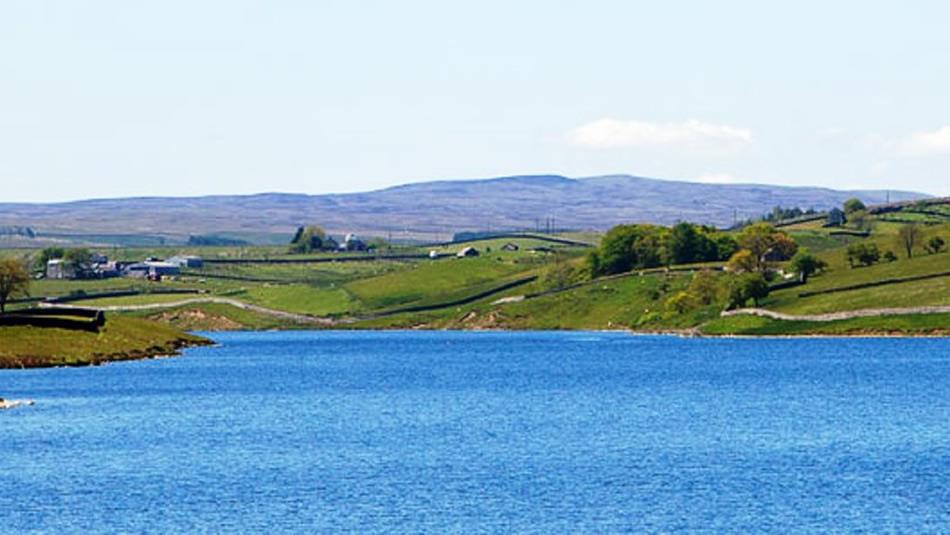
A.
x: 633, y: 302
x: 911, y: 324
x: 217, y: 317
x: 122, y: 338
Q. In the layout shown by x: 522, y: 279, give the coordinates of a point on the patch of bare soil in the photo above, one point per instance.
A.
x: 476, y: 321
x: 197, y: 320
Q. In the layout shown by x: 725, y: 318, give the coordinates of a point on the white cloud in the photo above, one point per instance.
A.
x: 926, y: 143
x: 832, y: 132
x: 690, y: 135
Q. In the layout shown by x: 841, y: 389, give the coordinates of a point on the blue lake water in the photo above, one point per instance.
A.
x: 486, y: 432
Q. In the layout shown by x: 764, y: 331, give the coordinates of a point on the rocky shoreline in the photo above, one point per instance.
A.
x: 170, y: 349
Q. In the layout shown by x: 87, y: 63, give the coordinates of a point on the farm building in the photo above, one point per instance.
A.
x: 468, y: 251
x: 163, y: 269
x: 187, y: 261
x: 151, y: 268
x: 352, y: 243
x: 106, y: 270
x: 138, y: 270
x: 510, y: 246
x: 60, y: 269
x: 99, y: 268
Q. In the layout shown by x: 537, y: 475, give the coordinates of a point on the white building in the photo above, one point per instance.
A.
x: 60, y: 269
x: 186, y: 261
x: 352, y: 243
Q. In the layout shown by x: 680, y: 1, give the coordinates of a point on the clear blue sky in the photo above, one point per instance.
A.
x: 119, y: 98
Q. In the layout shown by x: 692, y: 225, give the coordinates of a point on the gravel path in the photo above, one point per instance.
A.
x: 299, y: 318
x: 833, y: 316
x: 303, y: 318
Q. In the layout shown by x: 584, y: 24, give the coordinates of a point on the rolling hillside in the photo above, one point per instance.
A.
x: 428, y: 210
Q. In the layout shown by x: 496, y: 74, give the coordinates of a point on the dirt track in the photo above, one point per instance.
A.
x: 302, y: 318
x: 834, y: 316
x: 299, y: 318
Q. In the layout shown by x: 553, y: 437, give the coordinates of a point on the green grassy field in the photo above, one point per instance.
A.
x: 302, y: 299
x: 633, y: 302
x: 915, y: 324
x: 325, y: 273
x: 122, y: 338
x: 821, y: 240
x: 441, y: 281
x: 371, y: 289
x: 629, y: 302
x: 69, y: 287
x: 331, y: 289
x: 906, y: 294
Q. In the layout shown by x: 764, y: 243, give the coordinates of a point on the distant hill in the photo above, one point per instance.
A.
x: 432, y: 209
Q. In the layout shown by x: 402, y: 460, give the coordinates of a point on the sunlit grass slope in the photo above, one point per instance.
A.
x: 122, y: 338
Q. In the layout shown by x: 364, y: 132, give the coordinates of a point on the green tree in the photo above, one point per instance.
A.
x: 297, y: 235
x: 862, y: 254
x: 681, y: 302
x: 682, y: 243
x: 705, y: 287
x: 806, y: 264
x: 743, y: 261
x: 889, y: 256
x: 649, y: 250
x: 560, y: 276
x: 693, y: 243
x: 747, y: 286
x: 860, y: 220
x: 783, y: 246
x: 780, y: 214
x: 308, y: 240
x: 627, y: 247
x: 908, y: 236
x: 594, y: 264
x: 761, y: 239
x: 935, y: 244
x: 853, y: 205
x: 77, y: 257
x: 50, y: 253
x: 757, y: 239
x: 14, y: 280
x: 379, y: 244
x: 616, y: 250
x: 726, y: 246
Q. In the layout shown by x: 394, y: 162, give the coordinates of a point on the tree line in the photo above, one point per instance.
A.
x: 750, y: 258
x: 628, y: 247
x: 642, y: 246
